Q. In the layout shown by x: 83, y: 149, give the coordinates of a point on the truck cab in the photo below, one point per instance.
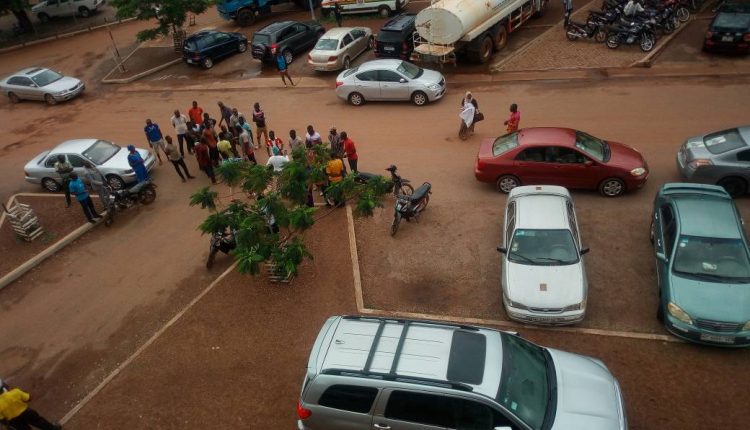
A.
x: 245, y: 12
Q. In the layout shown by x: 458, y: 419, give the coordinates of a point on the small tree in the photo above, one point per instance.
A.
x: 279, y: 198
x: 18, y: 9
x: 170, y: 14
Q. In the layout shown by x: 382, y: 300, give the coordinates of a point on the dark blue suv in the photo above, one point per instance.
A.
x: 205, y: 47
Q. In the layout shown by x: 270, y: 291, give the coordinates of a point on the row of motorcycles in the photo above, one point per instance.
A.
x: 626, y: 22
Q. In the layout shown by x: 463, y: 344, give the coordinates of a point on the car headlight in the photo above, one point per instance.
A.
x: 576, y: 307
x: 746, y: 327
x: 678, y: 313
x: 129, y: 171
x: 699, y: 162
x: 433, y: 87
x: 638, y: 171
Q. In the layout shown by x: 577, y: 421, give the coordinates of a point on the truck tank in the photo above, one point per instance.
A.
x: 446, y: 21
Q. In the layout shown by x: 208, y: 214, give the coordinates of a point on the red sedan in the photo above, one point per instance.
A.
x: 560, y: 156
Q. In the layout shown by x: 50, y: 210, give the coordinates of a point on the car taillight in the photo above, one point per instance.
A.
x: 746, y: 37
x: 339, y: 83
x: 273, y: 48
x: 333, y: 58
x: 709, y: 35
x: 699, y: 162
x: 302, y: 413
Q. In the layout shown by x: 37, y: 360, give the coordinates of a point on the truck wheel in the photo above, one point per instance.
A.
x: 43, y: 17
x: 245, y: 17
x: 384, y: 11
x: 501, y: 38
x: 84, y: 11
x: 485, y: 51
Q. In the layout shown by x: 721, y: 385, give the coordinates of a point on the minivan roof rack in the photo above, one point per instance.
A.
x: 404, y: 321
x: 399, y: 378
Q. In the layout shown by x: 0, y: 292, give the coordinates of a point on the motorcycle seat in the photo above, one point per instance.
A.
x: 420, y: 192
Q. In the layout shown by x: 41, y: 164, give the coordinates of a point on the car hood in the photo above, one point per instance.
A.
x: 711, y: 301
x: 565, y: 285
x: 119, y: 161
x: 588, y: 396
x: 64, y: 84
x: 429, y: 77
x: 625, y: 156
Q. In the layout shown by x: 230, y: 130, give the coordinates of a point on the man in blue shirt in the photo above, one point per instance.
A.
x: 154, y: 138
x: 283, y: 69
x: 79, y: 190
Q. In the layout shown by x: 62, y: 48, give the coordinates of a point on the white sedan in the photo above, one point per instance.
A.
x: 38, y: 83
x: 543, y: 274
x: 338, y: 47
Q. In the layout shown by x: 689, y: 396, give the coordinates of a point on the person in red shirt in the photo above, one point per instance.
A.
x: 202, y: 154
x: 196, y: 113
x: 210, y: 137
x: 350, y: 151
x: 515, y: 119
x: 274, y: 141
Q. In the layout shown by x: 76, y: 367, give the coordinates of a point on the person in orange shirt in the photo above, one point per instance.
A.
x: 196, y: 113
x: 15, y: 411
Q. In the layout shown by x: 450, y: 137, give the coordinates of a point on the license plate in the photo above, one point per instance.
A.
x: 389, y: 48
x: 727, y: 38
x: 716, y: 338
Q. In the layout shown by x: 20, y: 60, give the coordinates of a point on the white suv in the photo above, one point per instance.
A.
x: 47, y: 9
x: 543, y: 275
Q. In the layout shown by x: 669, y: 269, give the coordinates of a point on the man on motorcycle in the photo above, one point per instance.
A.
x: 632, y: 8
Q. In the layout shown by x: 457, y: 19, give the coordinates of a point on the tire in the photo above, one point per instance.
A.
x: 50, y: 100
x: 613, y: 41
x: 651, y: 232
x: 356, y: 99
x: 13, y: 98
x: 736, y: 187
x: 207, y: 63
x: 288, y: 56
x: 600, y: 36
x: 612, y: 187
x: 419, y: 98
x: 115, y: 182
x: 571, y: 35
x: 147, y: 195
x: 395, y: 223
x: 371, y: 43
x: 211, y: 257
x: 405, y: 190
x: 84, y: 11
x: 43, y: 17
x: 242, y: 47
x: 506, y: 183
x: 683, y: 14
x: 501, y: 38
x: 647, y: 42
x: 384, y: 11
x: 542, y: 10
x: 347, y: 63
x: 51, y: 185
x: 485, y: 50
x: 245, y: 17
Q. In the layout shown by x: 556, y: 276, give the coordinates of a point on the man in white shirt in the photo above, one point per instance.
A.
x: 179, y: 122
x: 312, y: 137
x: 276, y: 160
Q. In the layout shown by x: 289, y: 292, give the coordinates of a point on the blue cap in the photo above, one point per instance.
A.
x: 131, y: 148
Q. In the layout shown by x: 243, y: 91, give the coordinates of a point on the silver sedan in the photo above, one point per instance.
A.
x: 110, y: 159
x: 38, y: 83
x: 337, y: 48
x: 390, y: 80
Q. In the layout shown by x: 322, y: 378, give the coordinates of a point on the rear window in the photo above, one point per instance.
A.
x: 723, y: 141
x: 327, y: 44
x: 390, y: 36
x: 504, y: 144
x: 349, y: 398
x: 739, y: 21
x: 261, y: 39
x: 191, y: 45
x: 350, y: 71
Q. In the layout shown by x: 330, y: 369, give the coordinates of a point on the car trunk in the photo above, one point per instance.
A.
x: 191, y: 51
x: 730, y: 28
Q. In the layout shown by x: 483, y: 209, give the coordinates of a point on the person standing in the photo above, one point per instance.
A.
x: 350, y: 150
x: 192, y: 136
x: 313, y: 137
x: 234, y: 122
x: 283, y: 68
x: 246, y: 143
x: 64, y: 169
x: 180, y: 124
x: 15, y: 411
x: 514, y: 121
x: 259, y: 118
x: 176, y: 158
x: 337, y: 146
x: 295, y: 141
x: 227, y: 135
x: 225, y: 148
x: 274, y: 142
x: 196, y: 113
x: 468, y: 111
x: 225, y: 114
x: 210, y: 138
x: 337, y: 13
x: 277, y: 160
x: 335, y: 171
x: 203, y: 156
x: 137, y: 164
x: 154, y: 137
x: 79, y: 190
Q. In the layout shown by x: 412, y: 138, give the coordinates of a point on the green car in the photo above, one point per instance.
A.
x: 702, y: 265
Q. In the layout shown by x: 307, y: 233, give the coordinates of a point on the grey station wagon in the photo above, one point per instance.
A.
x: 382, y: 373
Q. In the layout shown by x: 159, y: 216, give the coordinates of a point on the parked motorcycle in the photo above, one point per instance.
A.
x: 632, y: 33
x: 399, y: 185
x: 141, y: 193
x: 223, y: 241
x: 588, y: 30
x: 410, y: 207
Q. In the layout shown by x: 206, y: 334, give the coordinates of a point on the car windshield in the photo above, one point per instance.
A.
x: 100, y: 152
x: 524, y: 386
x: 721, y: 260
x: 327, y: 45
x: 410, y: 70
x: 738, y: 21
x: 46, y: 77
x: 504, y: 143
x: 723, y: 141
x: 592, y: 146
x: 543, y: 247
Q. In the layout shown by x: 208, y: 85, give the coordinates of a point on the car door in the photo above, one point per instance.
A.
x: 65, y: 8
x: 344, y: 407
x: 568, y: 167
x: 735, y: 163
x: 411, y: 410
x: 300, y: 38
x: 665, y: 234
x: 367, y: 84
x: 49, y: 168
x: 23, y: 87
x: 360, y: 42
x: 530, y: 166
x: 393, y: 86
x: 223, y: 44
x: 346, y: 46
x: 509, y: 228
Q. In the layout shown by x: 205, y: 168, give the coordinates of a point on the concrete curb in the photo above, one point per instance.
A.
x: 64, y: 35
x: 139, y: 75
x: 35, y: 260
x: 648, y: 60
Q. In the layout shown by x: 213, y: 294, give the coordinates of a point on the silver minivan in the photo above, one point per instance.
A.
x: 382, y: 373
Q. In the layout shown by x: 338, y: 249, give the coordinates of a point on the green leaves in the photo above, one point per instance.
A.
x: 256, y: 179
x: 232, y: 171
x: 204, y: 197
x: 170, y: 14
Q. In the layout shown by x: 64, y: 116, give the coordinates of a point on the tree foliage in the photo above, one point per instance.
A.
x: 18, y: 9
x: 170, y: 14
x: 280, y: 199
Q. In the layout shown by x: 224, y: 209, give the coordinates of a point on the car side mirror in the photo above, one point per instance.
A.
x: 661, y: 257
x: 402, y: 80
x: 502, y: 250
x: 585, y: 250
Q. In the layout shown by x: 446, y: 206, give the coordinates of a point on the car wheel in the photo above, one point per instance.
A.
x: 652, y: 232
x: 207, y: 63
x: 115, y: 182
x: 612, y: 187
x: 384, y: 11
x: 506, y: 183
x: 288, y: 56
x: 13, y: 98
x: 50, y: 99
x: 242, y: 47
x: 419, y: 98
x: 347, y: 63
x: 356, y: 99
x: 43, y: 17
x: 736, y: 187
x: 245, y: 17
x: 51, y: 185
x: 84, y: 11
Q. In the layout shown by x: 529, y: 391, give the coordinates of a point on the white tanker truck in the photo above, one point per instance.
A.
x: 473, y: 27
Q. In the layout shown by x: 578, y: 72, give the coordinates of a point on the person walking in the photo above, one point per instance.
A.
x: 259, y: 118
x: 154, y: 137
x: 283, y: 68
x: 295, y: 141
x: 97, y: 182
x: 177, y: 159
x: 277, y: 160
x: 514, y: 121
x: 337, y: 13
x: 79, y: 190
x: 196, y: 113
x: 350, y: 150
x: 225, y: 114
x: 246, y: 142
x: 468, y: 111
x: 203, y: 156
x: 137, y: 164
x: 15, y: 411
x: 64, y: 169
x: 313, y: 137
x: 234, y: 122
x: 335, y: 140
x: 180, y: 125
x: 274, y: 142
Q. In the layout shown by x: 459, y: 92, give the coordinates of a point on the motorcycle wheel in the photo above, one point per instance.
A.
x: 147, y: 196
x: 211, y: 257
x: 600, y: 36
x: 109, y: 218
x: 405, y: 190
x: 683, y: 14
x: 423, y: 204
x: 647, y: 42
x: 668, y: 27
x: 396, y: 222
x: 613, y: 41
x: 571, y: 35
